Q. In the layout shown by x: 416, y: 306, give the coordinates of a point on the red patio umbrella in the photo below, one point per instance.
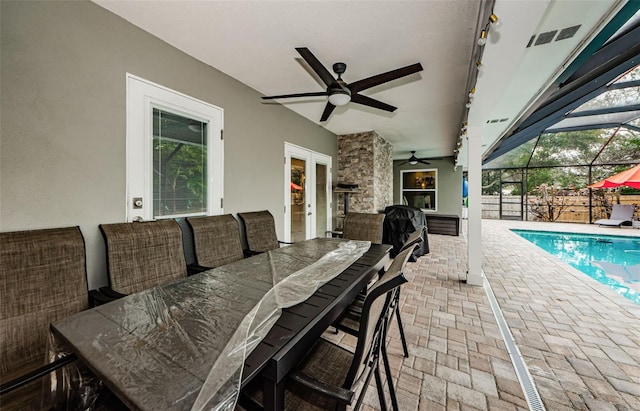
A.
x: 629, y: 178
x: 294, y: 186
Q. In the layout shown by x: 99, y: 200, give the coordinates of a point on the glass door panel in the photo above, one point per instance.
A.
x: 298, y: 199
x: 307, y: 199
x: 321, y: 195
x: 179, y: 165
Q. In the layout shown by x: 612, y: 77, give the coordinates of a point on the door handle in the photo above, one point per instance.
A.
x: 309, y: 213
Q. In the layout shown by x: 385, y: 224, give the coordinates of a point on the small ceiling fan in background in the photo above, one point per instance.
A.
x: 340, y: 92
x: 413, y: 160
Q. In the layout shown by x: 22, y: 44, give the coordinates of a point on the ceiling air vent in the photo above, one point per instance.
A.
x: 497, y: 120
x: 568, y: 32
x: 547, y: 37
x: 531, y: 40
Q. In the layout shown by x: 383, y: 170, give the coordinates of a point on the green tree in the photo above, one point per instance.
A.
x: 179, y: 181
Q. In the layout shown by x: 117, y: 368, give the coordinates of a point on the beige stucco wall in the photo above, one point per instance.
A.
x: 62, y: 141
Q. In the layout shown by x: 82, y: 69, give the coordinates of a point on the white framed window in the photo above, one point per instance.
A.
x: 419, y: 188
x: 174, y: 153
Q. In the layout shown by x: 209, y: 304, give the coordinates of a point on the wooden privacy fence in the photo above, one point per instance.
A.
x: 575, y: 207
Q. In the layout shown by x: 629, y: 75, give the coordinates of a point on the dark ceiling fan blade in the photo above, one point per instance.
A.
x: 413, y: 160
x: 384, y: 77
x: 315, y: 64
x: 368, y: 101
x: 313, y: 94
x: 328, y: 109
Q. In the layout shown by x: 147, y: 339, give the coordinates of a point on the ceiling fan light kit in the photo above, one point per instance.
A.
x: 341, y: 93
x: 339, y: 97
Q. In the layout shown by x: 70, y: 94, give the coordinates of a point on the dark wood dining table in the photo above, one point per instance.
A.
x: 155, y: 349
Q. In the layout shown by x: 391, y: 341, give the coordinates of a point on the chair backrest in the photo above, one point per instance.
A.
x: 42, y: 280
x: 216, y: 240
x: 260, y: 231
x: 143, y: 255
x: 376, y: 304
x: 187, y: 241
x: 622, y: 212
x: 363, y: 227
x: 395, y: 272
x: 414, y: 239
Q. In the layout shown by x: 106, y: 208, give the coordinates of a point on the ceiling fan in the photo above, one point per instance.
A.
x: 413, y: 160
x: 340, y: 92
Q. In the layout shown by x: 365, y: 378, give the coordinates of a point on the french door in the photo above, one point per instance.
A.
x: 307, y: 200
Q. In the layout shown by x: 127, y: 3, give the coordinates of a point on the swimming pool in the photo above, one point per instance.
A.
x: 612, y: 260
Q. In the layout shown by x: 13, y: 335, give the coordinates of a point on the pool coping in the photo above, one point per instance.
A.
x: 606, y: 239
x: 571, y: 341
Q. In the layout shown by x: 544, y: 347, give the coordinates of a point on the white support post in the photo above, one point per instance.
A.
x: 475, y: 276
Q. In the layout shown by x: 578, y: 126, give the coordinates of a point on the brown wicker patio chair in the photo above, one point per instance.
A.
x: 260, y: 232
x: 363, y: 226
x: 142, y: 255
x: 42, y: 280
x: 216, y: 241
x: 330, y: 376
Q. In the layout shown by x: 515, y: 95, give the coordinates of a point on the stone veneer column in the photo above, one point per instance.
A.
x: 367, y: 160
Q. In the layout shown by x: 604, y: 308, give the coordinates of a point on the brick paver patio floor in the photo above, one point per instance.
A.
x: 579, y: 339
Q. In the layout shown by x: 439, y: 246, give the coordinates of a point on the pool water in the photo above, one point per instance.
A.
x: 612, y: 260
